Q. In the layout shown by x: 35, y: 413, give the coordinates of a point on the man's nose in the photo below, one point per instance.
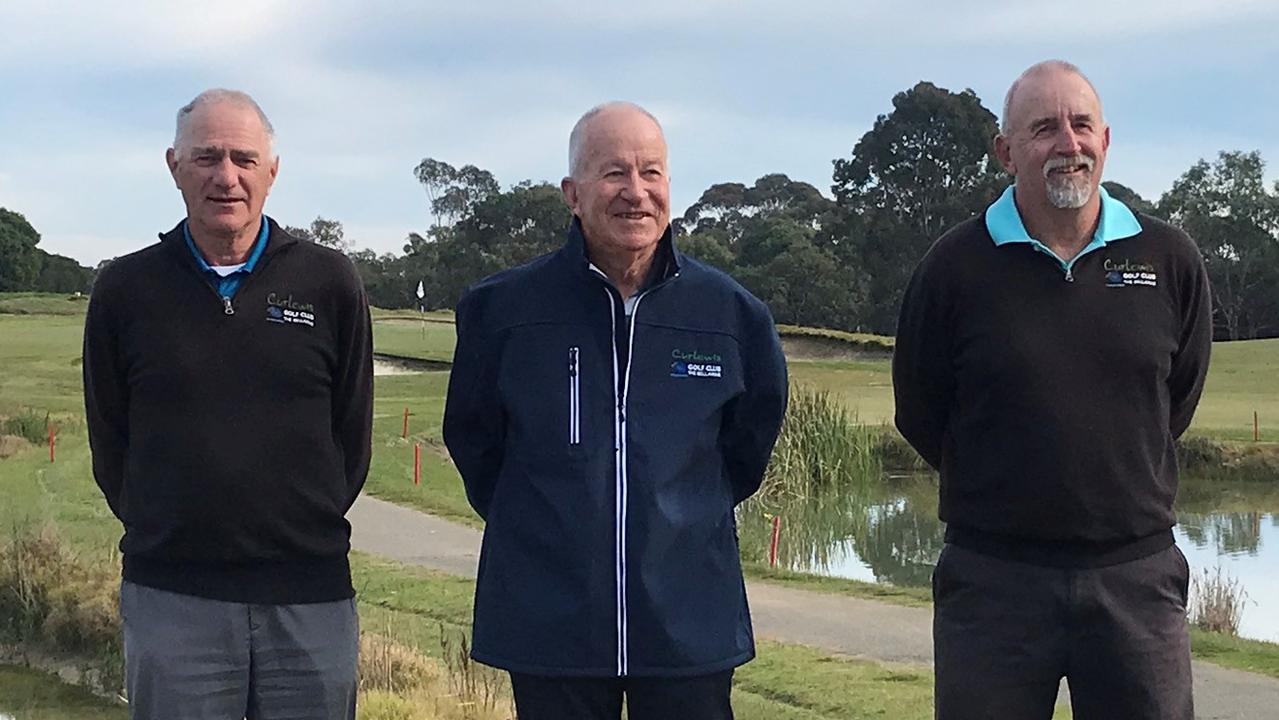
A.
x: 1068, y: 141
x: 631, y: 186
x: 225, y: 175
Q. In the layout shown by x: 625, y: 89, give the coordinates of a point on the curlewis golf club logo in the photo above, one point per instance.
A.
x: 692, y: 364
x: 285, y: 309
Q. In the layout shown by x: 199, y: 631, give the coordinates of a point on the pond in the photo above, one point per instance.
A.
x: 890, y: 533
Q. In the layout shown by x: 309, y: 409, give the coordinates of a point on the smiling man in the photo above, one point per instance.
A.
x: 228, y: 390
x: 609, y: 405
x: 1048, y: 355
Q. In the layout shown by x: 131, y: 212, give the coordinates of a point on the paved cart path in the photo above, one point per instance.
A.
x: 848, y: 626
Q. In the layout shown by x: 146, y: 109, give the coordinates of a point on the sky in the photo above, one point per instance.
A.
x: 360, y: 92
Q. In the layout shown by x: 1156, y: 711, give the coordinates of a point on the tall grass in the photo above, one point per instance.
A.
x: 53, y: 601
x: 28, y: 425
x: 821, y: 450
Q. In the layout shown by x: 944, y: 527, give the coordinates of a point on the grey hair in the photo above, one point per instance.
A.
x: 1032, y: 70
x: 219, y: 95
x: 577, y: 138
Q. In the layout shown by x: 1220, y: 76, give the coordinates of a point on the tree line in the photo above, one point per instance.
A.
x: 840, y: 261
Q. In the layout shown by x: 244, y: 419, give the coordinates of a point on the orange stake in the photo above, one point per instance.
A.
x: 417, y: 464
x: 53, y: 438
x: 405, y: 433
x: 1256, y: 427
x: 777, y: 536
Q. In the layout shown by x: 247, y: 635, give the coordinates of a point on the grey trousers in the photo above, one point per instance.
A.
x: 198, y: 659
x: 1005, y: 633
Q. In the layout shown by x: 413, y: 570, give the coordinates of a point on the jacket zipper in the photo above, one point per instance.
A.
x: 621, y: 385
x: 574, y: 399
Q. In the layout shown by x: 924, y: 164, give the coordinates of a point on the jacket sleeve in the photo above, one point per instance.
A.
x: 923, y: 374
x: 474, y: 423
x: 754, y: 418
x: 1190, y: 362
x: 106, y: 395
x: 353, y: 387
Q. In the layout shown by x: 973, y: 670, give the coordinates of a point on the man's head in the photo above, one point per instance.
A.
x: 1053, y: 138
x: 223, y: 161
x: 618, y: 184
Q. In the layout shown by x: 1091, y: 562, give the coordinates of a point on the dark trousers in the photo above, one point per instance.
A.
x: 1005, y: 633
x: 705, y: 697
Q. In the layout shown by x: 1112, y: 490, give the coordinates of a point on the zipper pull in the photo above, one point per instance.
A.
x: 226, y: 306
x: 1070, y: 275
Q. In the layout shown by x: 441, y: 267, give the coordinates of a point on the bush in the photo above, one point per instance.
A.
x: 28, y: 425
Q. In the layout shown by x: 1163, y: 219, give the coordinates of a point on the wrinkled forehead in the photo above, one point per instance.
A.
x: 1052, y: 93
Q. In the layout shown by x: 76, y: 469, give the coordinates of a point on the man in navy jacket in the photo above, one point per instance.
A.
x: 610, y: 404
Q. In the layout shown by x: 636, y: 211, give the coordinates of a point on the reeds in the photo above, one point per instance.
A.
x: 1216, y: 602
x: 821, y: 450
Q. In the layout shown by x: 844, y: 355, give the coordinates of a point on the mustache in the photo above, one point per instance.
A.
x: 1060, y: 162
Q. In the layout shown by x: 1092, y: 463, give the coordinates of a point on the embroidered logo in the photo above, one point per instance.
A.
x: 281, y: 308
x: 1128, y: 272
x: 695, y: 364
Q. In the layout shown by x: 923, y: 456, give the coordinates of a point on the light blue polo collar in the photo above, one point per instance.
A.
x: 227, y: 286
x: 1005, y: 225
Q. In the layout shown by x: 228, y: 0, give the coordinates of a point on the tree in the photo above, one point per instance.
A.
x: 453, y: 192
x: 60, y: 274
x: 19, y: 258
x: 328, y: 233
x: 1129, y: 197
x: 924, y: 167
x: 1227, y: 209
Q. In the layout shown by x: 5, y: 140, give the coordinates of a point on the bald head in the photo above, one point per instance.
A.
x: 602, y: 115
x: 1038, y: 69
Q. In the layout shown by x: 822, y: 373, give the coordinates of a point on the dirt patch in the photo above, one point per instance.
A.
x: 12, y: 445
x: 820, y: 348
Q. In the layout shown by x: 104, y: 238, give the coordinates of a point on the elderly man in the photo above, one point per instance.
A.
x: 610, y: 404
x: 228, y: 389
x: 1048, y: 355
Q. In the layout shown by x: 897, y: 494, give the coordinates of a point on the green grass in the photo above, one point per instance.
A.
x: 414, y: 338
x: 1238, y: 653
x: 30, y: 695
x: 42, y: 304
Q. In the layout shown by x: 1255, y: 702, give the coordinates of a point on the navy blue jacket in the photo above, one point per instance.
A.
x: 606, y: 456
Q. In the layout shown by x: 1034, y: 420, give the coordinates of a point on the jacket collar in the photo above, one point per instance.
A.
x: 666, y: 261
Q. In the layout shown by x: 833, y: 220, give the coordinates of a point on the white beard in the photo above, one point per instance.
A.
x: 1068, y: 193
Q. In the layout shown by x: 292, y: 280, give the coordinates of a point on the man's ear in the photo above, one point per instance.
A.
x: 568, y: 187
x: 1004, y: 152
x: 171, y: 159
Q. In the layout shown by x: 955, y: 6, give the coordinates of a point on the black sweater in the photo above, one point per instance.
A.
x: 1050, y: 405
x: 231, y: 445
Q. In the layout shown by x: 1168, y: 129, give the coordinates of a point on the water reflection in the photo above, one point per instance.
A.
x: 890, y: 533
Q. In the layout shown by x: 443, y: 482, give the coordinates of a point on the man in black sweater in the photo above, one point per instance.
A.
x: 228, y: 390
x: 1048, y: 354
